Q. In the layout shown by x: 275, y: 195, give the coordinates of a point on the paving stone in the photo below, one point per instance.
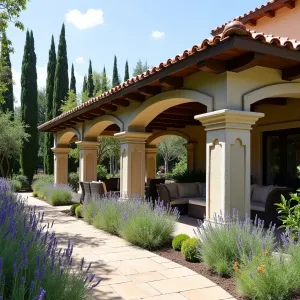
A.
x: 143, y: 265
x: 147, y: 277
x: 171, y: 265
x: 177, y: 272
x: 113, y: 278
x: 212, y: 293
x: 105, y: 293
x: 160, y: 259
x: 175, y: 285
x: 134, y: 290
x: 176, y: 296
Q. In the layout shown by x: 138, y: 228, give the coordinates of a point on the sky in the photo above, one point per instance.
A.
x: 152, y: 30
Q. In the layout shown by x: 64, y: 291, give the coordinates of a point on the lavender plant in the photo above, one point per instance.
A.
x: 31, y: 265
x: 226, y: 241
x: 60, y: 194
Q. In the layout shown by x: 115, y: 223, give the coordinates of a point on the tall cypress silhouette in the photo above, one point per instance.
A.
x: 115, y: 78
x: 90, y: 81
x: 8, y: 94
x: 126, y: 76
x: 29, y: 108
x: 61, y: 78
x: 104, y: 83
x: 73, y: 80
x: 84, y: 86
x: 49, y: 139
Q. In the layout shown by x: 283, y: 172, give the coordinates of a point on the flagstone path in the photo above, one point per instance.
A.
x: 127, y: 272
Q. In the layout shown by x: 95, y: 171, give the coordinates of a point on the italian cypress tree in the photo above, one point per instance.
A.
x: 90, y: 81
x: 61, y: 78
x: 49, y: 139
x: 104, y: 83
x: 84, y: 87
x: 8, y: 95
x: 73, y: 80
x: 115, y: 78
x: 29, y: 108
x: 126, y: 76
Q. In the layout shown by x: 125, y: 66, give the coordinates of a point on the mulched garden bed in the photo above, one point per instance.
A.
x: 228, y: 284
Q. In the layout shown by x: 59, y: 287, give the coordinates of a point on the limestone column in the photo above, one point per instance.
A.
x: 60, y: 165
x: 132, y: 163
x: 191, y: 150
x: 228, y: 165
x: 88, y: 152
x: 151, y: 162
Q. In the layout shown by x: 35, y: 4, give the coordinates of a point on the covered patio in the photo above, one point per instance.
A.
x: 212, y: 95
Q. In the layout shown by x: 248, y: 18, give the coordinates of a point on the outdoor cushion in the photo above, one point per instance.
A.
x: 198, y: 201
x: 188, y: 190
x: 172, y: 189
x: 258, y: 206
x: 180, y: 201
x: 260, y: 193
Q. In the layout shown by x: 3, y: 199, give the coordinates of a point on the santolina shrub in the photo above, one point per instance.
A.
x: 31, y: 265
x: 178, y: 240
x: 134, y: 220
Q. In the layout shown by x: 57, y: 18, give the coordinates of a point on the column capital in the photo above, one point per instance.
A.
x: 151, y: 149
x: 228, y: 119
x: 88, y: 145
x: 128, y: 137
x: 190, y: 146
x: 58, y: 150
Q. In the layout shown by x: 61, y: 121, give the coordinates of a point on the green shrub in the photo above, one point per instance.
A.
x: 289, y: 213
x: 78, y: 211
x: 59, y: 196
x: 194, y: 176
x: 16, y: 185
x: 73, y: 208
x: 89, y: 211
x: 229, y: 240
x: 44, y: 190
x: 190, y: 250
x: 74, y: 181
x: 23, y: 179
x: 180, y: 168
x: 34, y: 194
x: 40, y: 181
x: 178, y: 240
x: 101, y: 172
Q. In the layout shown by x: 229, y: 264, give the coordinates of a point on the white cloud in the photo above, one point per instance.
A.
x: 92, y: 18
x: 157, y: 34
x: 41, y: 76
x: 79, y: 60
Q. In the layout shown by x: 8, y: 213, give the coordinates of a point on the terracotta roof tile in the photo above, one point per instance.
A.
x: 233, y: 28
x: 263, y: 7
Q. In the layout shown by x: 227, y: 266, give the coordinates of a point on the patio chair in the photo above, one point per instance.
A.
x: 97, y: 189
x: 151, y: 189
x: 112, y: 184
x: 85, y: 190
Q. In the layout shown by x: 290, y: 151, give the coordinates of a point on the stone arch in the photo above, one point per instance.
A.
x: 146, y: 112
x: 290, y: 90
x: 94, y: 128
x: 157, y: 137
x: 65, y: 136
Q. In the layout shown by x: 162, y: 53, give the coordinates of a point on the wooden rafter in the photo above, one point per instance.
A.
x: 244, y: 62
x: 150, y: 90
x: 251, y: 22
x: 270, y: 13
x: 121, y: 102
x: 109, y: 107
x: 291, y: 73
x: 171, y: 81
x: 135, y: 97
x: 290, y: 4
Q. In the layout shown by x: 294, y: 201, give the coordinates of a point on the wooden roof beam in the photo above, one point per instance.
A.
x: 270, y: 13
x: 109, y: 107
x: 291, y: 73
x: 171, y: 82
x: 213, y: 66
x: 150, y: 90
x: 251, y: 22
x: 121, y: 102
x: 244, y: 62
x: 135, y: 97
x: 290, y: 4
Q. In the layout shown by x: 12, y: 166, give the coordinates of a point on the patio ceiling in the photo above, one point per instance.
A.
x: 237, y: 49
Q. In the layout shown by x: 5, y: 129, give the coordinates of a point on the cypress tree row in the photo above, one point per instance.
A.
x: 104, y: 83
x: 73, y: 80
x: 49, y: 139
x: 115, y: 78
x: 90, y: 81
x: 126, y: 76
x: 84, y: 87
x: 29, y: 108
x: 8, y: 95
x: 61, y: 78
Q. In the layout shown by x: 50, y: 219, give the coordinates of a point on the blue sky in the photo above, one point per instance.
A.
x: 151, y: 30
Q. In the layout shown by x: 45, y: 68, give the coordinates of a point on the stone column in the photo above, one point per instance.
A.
x: 228, y: 161
x: 88, y: 160
x: 132, y: 163
x: 151, y: 162
x: 191, y: 150
x: 60, y: 165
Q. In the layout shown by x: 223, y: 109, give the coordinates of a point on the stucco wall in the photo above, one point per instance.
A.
x: 284, y: 24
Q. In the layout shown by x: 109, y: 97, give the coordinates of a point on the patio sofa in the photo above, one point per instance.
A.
x: 187, y: 197
x: 263, y: 199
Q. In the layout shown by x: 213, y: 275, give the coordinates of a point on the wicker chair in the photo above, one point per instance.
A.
x: 97, y: 189
x: 85, y: 190
x: 151, y: 191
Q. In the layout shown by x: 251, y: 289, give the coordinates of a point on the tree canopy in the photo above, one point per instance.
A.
x: 90, y: 81
x: 70, y: 102
x: 116, y: 77
x: 73, y: 80
x: 126, y: 75
x: 140, y: 68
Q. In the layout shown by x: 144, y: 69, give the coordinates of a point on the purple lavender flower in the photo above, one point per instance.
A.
x: 88, y: 268
x: 31, y: 288
x: 82, y: 262
x: 22, y: 280
x: 96, y: 284
x: 1, y: 265
x: 42, y: 294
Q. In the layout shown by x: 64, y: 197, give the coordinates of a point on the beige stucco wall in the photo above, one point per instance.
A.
x: 284, y: 24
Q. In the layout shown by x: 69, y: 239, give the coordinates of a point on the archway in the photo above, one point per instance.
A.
x: 64, y: 137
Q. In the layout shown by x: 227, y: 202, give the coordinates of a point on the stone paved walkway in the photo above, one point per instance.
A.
x: 127, y: 272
